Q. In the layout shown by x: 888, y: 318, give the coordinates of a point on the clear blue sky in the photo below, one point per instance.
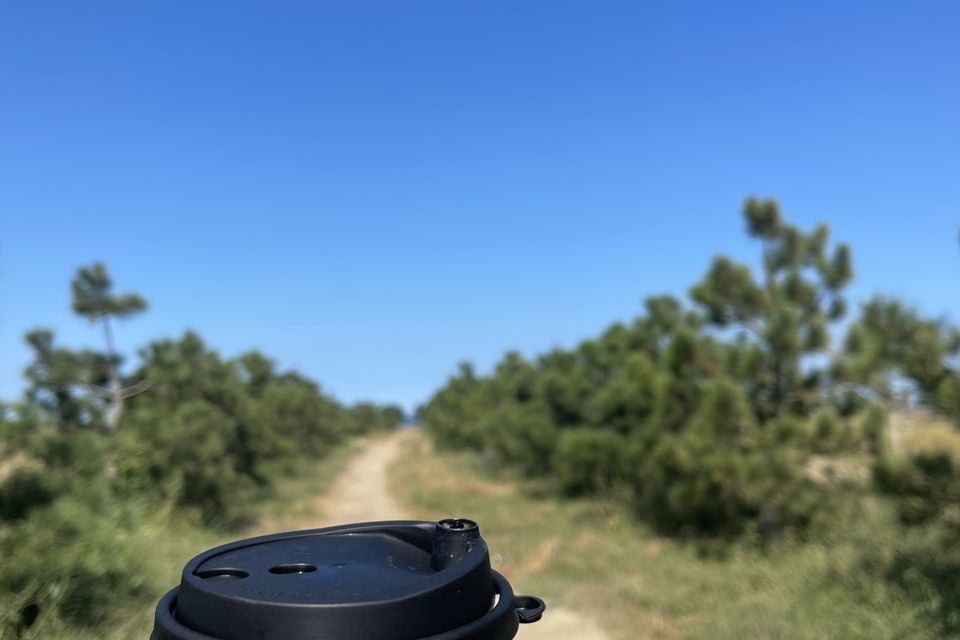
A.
x: 371, y: 192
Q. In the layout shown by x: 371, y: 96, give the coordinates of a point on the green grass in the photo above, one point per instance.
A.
x: 591, y: 556
x: 168, y: 540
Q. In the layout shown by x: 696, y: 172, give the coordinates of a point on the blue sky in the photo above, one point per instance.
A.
x: 371, y: 192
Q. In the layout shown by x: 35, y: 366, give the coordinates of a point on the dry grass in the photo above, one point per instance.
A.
x: 593, y: 558
x: 918, y: 431
x: 19, y: 461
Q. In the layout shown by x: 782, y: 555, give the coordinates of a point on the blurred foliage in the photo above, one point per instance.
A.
x: 701, y: 416
x: 892, y: 343
x: 80, y: 494
x: 926, y: 561
x: 726, y: 418
x: 733, y: 417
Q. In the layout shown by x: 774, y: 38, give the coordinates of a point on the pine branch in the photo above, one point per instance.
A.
x: 95, y: 389
x: 135, y: 389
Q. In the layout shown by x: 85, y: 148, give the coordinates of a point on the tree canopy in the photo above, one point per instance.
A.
x: 80, y: 479
x: 703, y: 414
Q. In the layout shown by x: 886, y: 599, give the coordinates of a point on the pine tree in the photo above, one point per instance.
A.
x: 93, y: 298
x: 891, y: 342
x: 783, y: 318
x: 57, y: 375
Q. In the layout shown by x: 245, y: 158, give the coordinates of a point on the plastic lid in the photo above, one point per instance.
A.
x: 404, y: 580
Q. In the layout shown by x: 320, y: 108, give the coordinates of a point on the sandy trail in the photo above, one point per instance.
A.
x: 362, y: 492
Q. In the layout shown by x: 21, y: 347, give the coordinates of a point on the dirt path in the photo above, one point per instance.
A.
x: 362, y: 492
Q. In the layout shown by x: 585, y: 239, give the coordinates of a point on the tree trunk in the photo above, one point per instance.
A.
x: 116, y: 391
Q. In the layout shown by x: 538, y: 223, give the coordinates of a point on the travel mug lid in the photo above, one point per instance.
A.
x: 398, y: 580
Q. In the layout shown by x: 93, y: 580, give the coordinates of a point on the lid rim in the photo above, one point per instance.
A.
x: 501, y: 622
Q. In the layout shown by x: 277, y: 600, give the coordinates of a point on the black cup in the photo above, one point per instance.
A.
x: 403, y: 580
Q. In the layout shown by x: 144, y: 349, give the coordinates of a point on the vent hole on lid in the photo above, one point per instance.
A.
x: 296, y: 568
x: 222, y: 574
x: 458, y: 524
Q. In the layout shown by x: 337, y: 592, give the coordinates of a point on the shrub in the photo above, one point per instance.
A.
x: 196, y: 452
x: 75, y: 563
x: 926, y: 566
x: 830, y: 433
x: 926, y: 486
x: 926, y: 559
x: 873, y: 429
x: 789, y: 430
x: 948, y: 397
x: 23, y: 490
x: 589, y: 460
x: 524, y: 437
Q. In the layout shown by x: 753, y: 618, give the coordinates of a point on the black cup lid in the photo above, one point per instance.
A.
x: 403, y: 580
